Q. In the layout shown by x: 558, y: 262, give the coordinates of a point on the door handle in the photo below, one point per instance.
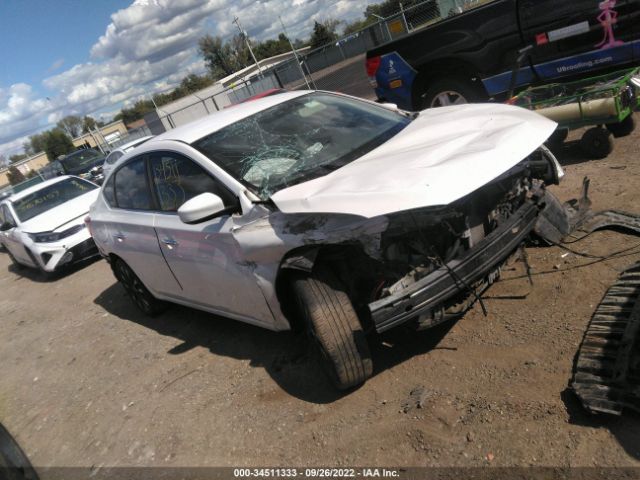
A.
x: 119, y: 237
x: 170, y: 242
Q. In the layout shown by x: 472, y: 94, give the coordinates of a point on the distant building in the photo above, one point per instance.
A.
x: 101, y: 139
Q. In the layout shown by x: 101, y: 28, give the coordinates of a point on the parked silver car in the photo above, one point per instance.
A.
x: 118, y: 152
x: 323, y: 211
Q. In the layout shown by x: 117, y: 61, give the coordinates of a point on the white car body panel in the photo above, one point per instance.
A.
x: 431, y: 162
x: 443, y: 155
x: 60, y: 218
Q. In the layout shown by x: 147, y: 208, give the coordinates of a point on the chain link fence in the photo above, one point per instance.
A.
x: 339, y: 66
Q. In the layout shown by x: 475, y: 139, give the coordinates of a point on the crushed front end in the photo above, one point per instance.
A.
x: 435, y: 263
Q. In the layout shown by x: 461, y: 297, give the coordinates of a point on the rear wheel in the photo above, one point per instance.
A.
x: 596, y: 143
x: 141, y: 296
x: 452, y: 91
x: 623, y: 128
x: 334, y: 328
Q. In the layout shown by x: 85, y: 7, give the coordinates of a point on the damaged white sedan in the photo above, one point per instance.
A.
x: 334, y: 214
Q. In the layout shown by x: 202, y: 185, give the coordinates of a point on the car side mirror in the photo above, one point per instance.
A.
x: 202, y: 207
x: 6, y: 226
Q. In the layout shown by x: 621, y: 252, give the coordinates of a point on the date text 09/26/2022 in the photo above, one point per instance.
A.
x: 315, y: 473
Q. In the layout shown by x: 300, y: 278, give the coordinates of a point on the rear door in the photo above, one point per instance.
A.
x: 130, y: 228
x: 204, y: 257
x: 579, y: 35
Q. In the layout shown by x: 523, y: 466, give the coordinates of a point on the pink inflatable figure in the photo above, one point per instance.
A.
x: 608, y: 19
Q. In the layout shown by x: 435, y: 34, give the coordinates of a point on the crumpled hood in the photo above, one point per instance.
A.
x: 58, y: 217
x: 443, y: 155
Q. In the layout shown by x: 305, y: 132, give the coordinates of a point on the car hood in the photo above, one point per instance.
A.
x: 58, y: 217
x: 443, y: 155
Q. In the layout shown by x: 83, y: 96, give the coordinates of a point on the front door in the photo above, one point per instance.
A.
x: 205, y: 257
x: 130, y: 229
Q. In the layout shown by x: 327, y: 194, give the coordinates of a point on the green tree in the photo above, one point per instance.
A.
x: 17, y: 157
x: 15, y: 176
x: 71, y: 124
x: 220, y: 57
x: 88, y: 123
x: 270, y: 48
x: 57, y: 143
x: 323, y: 33
x: 28, y: 149
x: 136, y: 112
x: 37, y: 142
x: 358, y: 25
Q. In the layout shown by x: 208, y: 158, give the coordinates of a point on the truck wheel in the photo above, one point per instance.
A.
x: 596, y: 143
x: 144, y: 300
x: 334, y: 328
x: 453, y: 91
x: 623, y: 128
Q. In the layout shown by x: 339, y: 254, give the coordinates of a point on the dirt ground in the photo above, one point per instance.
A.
x: 87, y: 381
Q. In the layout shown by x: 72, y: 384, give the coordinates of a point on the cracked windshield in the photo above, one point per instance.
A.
x: 299, y: 140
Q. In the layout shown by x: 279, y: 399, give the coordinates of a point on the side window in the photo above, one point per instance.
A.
x: 113, y: 156
x: 108, y: 191
x: 2, y: 215
x: 131, y: 189
x: 177, y: 179
x: 6, y: 214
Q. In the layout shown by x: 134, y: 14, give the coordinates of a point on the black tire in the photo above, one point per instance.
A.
x: 454, y: 90
x: 141, y: 296
x: 623, y: 128
x: 597, y: 143
x: 334, y: 328
x: 558, y: 137
x: 14, y: 464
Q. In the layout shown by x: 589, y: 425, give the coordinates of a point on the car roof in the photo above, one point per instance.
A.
x: 197, y: 129
x: 35, y: 188
x: 132, y: 143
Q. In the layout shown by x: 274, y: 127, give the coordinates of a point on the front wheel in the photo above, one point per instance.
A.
x: 141, y: 296
x: 334, y: 328
x: 451, y: 91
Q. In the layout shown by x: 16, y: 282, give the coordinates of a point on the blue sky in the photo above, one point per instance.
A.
x: 92, y: 57
x: 44, y: 34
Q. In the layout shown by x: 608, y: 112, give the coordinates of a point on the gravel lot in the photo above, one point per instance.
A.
x: 87, y: 381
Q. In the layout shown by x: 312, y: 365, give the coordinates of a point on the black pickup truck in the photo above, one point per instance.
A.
x: 471, y: 56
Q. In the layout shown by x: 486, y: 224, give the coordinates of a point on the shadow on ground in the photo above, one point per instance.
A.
x: 626, y: 428
x: 569, y: 153
x: 22, y: 272
x: 284, y: 355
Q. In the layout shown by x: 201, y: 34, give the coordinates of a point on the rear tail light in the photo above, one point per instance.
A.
x: 372, y: 65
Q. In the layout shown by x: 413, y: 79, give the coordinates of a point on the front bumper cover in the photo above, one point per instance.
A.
x: 442, y: 284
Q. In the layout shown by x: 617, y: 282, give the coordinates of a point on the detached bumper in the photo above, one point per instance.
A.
x: 440, y: 285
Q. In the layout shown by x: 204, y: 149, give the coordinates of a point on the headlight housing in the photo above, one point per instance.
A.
x: 48, y: 237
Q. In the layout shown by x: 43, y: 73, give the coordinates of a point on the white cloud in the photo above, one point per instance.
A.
x: 149, y: 47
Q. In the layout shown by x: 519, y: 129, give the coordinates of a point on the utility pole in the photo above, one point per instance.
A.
x: 244, y: 35
x: 295, y: 54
